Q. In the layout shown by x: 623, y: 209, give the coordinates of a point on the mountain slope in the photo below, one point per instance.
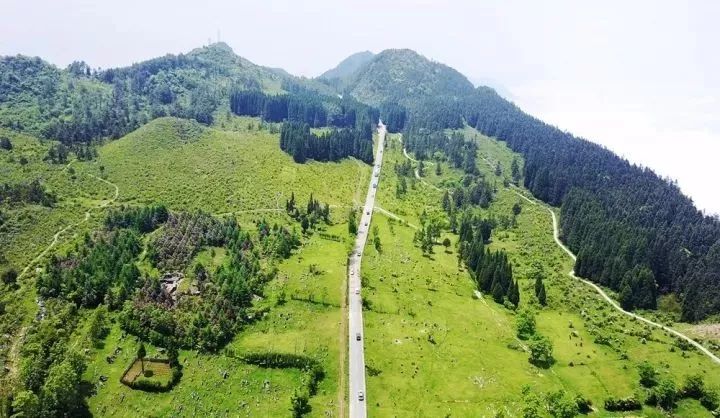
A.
x: 633, y: 231
x: 80, y: 104
x: 406, y: 77
x: 349, y: 66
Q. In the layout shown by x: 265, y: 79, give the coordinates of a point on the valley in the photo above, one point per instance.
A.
x: 243, y: 242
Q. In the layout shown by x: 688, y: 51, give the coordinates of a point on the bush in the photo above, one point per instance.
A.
x: 541, y: 352
x: 693, y: 387
x: 9, y: 276
x: 710, y: 400
x: 299, y: 403
x: 648, y: 374
x: 525, y: 324
x: 664, y: 395
x: 560, y: 405
x: 584, y: 405
x: 622, y: 404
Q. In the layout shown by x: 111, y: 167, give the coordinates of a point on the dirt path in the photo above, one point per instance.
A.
x: 556, y: 236
x: 394, y: 216
x: 417, y: 171
x: 14, y: 352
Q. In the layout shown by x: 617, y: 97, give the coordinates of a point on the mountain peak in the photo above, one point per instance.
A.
x: 405, y: 76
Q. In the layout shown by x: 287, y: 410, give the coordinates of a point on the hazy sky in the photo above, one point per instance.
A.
x: 642, y: 78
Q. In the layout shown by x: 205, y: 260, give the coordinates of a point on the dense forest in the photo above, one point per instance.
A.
x: 297, y: 140
x: 303, y: 106
x: 491, y: 270
x: 627, y: 225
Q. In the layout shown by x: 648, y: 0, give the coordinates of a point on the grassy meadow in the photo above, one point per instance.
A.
x: 433, y: 348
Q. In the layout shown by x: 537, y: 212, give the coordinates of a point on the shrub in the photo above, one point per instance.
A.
x: 664, y: 395
x: 693, y: 387
x: 622, y: 404
x: 9, y: 276
x: 541, y: 352
x: 710, y: 399
x: 648, y: 374
x: 525, y: 324
x: 560, y: 405
x: 584, y: 405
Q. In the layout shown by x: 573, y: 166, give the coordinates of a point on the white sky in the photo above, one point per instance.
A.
x: 641, y: 77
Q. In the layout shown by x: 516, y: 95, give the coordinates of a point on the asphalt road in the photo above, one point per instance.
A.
x: 356, y: 350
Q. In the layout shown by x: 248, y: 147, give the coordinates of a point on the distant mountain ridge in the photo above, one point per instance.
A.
x: 349, y: 66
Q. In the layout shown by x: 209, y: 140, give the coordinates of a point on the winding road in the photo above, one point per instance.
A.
x: 556, y: 236
x: 356, y: 338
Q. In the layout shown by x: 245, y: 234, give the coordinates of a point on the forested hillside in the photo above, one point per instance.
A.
x: 633, y: 231
x: 80, y: 104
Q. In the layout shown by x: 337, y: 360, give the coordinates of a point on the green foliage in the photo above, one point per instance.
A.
x: 561, y: 405
x: 638, y: 289
x: 101, y: 267
x: 299, y: 403
x: 648, y: 374
x: 98, y: 325
x: 525, y: 324
x: 5, y: 144
x: 352, y: 222
x: 26, y: 404
x: 9, y: 277
x: 297, y: 140
x: 664, y: 394
x: 27, y: 192
x: 541, y: 351
x: 622, y: 404
x: 532, y: 406
x: 693, y: 386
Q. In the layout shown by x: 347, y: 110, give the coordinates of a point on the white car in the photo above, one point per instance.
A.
x: 357, y: 290
x: 361, y: 396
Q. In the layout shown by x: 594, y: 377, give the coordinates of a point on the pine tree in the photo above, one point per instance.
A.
x: 542, y: 298
x: 446, y: 202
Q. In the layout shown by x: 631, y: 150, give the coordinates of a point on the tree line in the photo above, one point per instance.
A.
x: 303, y: 106
x: 627, y: 224
x: 297, y: 140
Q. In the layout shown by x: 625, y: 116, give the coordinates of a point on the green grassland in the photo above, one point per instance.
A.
x: 309, y: 322
x: 235, y: 167
x: 474, y: 365
x: 186, y: 166
x: 32, y: 231
x: 245, y: 163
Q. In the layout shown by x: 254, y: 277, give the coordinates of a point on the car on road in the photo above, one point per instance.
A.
x: 374, y: 185
x: 357, y: 290
x: 358, y: 336
x: 352, y: 272
x: 367, y: 212
x: 361, y: 396
x: 365, y: 223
